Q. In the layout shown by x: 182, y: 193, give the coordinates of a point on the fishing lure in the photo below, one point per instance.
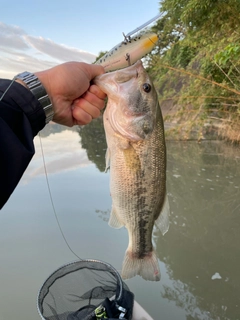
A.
x: 130, y: 49
x: 128, y: 52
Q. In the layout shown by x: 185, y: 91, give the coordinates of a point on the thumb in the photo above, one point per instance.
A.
x: 95, y: 70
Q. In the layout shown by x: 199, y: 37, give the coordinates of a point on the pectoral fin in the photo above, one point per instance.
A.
x: 162, y: 221
x: 107, y: 159
x: 114, y: 221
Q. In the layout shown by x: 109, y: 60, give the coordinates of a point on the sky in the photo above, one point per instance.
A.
x: 36, y: 35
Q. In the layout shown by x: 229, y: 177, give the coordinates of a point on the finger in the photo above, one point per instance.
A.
x: 93, y: 100
x: 88, y: 107
x: 95, y: 70
x: 97, y: 91
x: 81, y: 117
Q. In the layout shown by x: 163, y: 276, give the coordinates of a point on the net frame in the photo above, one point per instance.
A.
x: 91, y: 264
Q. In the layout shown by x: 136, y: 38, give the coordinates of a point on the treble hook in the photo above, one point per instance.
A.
x: 126, y: 38
x: 128, y: 59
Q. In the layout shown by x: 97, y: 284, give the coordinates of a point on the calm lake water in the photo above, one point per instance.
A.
x: 199, y: 256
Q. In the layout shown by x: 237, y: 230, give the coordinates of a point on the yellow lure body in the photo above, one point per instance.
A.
x: 128, y: 51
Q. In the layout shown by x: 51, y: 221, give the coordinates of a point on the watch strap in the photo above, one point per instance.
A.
x: 38, y: 90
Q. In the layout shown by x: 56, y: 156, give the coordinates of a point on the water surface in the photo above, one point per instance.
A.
x: 199, y: 257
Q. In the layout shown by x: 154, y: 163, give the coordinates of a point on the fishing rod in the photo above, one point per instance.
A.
x: 144, y: 25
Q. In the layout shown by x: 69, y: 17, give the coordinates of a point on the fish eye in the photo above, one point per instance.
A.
x: 146, y: 87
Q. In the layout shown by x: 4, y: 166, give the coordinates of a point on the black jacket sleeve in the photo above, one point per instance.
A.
x: 21, y: 118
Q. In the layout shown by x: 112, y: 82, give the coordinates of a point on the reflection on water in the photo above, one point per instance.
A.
x: 93, y: 140
x: 204, y: 237
x: 199, y: 256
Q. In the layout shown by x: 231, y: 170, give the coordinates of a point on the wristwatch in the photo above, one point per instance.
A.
x: 35, y: 86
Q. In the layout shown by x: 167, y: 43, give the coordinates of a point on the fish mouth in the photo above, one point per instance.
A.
x: 126, y: 74
x: 122, y: 75
x: 110, y: 82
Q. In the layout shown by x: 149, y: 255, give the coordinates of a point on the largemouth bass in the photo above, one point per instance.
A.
x: 136, y: 156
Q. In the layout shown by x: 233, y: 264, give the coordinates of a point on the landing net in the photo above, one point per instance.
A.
x: 86, y: 290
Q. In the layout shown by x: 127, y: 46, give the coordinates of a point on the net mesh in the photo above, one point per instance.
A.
x: 75, y: 290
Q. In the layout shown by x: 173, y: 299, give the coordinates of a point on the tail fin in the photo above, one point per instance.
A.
x: 147, y: 268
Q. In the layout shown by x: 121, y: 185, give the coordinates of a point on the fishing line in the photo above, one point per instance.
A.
x: 51, y: 199
x: 8, y: 88
x: 48, y: 185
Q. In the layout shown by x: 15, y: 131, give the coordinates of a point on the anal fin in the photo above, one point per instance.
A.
x: 114, y: 221
x: 162, y: 222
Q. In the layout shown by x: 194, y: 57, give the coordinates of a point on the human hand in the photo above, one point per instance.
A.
x: 74, y: 100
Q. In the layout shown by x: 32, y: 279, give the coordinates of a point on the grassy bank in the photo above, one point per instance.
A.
x: 196, y: 68
x: 189, y: 123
